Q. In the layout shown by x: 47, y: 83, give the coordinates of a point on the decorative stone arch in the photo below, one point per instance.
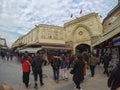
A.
x: 86, y: 41
x: 84, y: 26
x: 83, y: 46
x: 81, y: 43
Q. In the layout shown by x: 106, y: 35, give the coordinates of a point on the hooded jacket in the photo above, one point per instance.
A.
x: 114, y: 79
x: 55, y: 63
x: 37, y: 64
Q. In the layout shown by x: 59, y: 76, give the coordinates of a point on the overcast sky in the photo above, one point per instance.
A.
x: 18, y: 17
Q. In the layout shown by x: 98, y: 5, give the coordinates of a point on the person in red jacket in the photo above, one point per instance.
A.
x: 26, y: 71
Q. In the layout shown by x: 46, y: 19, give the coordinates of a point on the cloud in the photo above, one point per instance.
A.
x: 21, y: 16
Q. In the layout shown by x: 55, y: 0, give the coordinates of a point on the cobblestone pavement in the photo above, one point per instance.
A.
x: 10, y: 73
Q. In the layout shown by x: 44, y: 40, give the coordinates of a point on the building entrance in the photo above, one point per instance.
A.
x: 82, y: 47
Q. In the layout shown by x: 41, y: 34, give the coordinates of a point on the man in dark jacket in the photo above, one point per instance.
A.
x: 106, y: 61
x: 114, y: 79
x: 55, y: 63
x: 37, y: 69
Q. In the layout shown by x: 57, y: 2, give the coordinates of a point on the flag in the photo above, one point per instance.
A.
x: 71, y: 15
x: 81, y: 11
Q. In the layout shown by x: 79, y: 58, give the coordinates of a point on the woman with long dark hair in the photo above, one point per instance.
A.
x: 78, y: 74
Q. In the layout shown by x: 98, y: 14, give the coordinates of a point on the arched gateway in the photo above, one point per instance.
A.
x: 82, y: 47
x: 81, y: 38
x: 83, y: 31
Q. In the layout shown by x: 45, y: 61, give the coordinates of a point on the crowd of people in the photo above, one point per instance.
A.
x: 61, y: 63
x: 79, y: 63
x: 6, y: 55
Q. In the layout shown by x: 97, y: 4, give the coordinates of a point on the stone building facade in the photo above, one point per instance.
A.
x: 83, y: 30
x: 111, y: 26
x: 110, y: 40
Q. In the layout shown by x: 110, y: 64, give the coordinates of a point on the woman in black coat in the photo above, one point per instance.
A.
x: 114, y: 78
x: 78, y: 75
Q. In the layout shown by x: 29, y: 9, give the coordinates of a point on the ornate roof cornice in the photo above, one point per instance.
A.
x: 80, y: 19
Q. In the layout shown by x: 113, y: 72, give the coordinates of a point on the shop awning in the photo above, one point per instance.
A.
x: 30, y: 50
x: 116, y: 41
x: 107, y: 36
x: 56, y: 48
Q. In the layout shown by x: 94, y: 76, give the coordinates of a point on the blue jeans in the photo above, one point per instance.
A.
x: 56, y: 74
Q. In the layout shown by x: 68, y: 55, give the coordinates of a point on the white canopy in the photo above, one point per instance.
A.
x: 30, y: 49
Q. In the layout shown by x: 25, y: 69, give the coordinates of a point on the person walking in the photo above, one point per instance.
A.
x: 106, y: 61
x: 26, y: 71
x: 3, y: 55
x: 63, y: 66
x: 67, y: 59
x: 93, y: 63
x: 11, y: 55
x: 72, y: 57
x: 55, y: 63
x: 8, y: 55
x: 33, y: 57
x: 25, y: 60
x: 78, y: 74
x: 114, y: 78
x: 37, y: 69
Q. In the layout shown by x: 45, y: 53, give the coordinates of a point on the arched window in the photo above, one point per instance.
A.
x: 43, y: 34
x: 55, y: 34
x: 61, y: 35
x: 49, y: 34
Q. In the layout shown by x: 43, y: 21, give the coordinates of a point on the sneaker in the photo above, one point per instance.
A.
x: 35, y: 87
x: 81, y: 89
x: 42, y: 84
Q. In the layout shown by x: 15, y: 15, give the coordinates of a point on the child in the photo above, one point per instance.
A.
x: 26, y: 72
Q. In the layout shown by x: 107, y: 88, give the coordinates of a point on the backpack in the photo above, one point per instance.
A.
x: 55, y: 63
